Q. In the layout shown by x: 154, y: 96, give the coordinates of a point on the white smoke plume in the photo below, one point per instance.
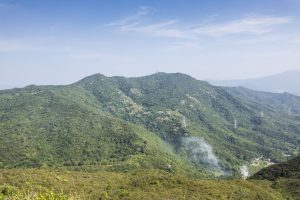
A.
x: 244, y: 171
x: 201, y: 153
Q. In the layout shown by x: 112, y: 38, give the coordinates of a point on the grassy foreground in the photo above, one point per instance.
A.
x: 51, y: 184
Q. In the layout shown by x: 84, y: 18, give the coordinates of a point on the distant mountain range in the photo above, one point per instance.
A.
x: 288, y: 81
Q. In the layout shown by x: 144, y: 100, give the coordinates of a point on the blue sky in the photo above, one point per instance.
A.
x: 59, y: 42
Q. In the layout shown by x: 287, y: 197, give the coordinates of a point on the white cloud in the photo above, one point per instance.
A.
x: 143, y: 10
x: 160, y: 29
x: 253, y: 25
x: 135, y: 23
x: 250, y: 25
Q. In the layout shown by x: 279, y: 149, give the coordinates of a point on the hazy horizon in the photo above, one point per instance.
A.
x: 60, y: 42
x: 3, y: 87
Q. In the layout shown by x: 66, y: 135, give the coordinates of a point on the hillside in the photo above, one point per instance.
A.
x: 289, y: 169
x: 285, y: 177
x: 64, y: 126
x: 196, y: 108
x: 283, y: 102
x: 165, y: 121
x: 284, y: 82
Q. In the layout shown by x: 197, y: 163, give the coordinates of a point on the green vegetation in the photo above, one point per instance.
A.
x: 285, y: 177
x: 289, y: 169
x: 138, y: 121
x: 150, y: 137
x: 161, y: 101
x: 282, y: 102
x: 141, y: 184
x: 41, y: 126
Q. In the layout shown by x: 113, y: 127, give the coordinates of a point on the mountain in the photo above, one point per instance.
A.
x: 171, y: 122
x: 285, y: 102
x: 64, y: 126
x: 284, y: 82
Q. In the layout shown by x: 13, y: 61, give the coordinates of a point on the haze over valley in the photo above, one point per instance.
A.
x: 278, y: 83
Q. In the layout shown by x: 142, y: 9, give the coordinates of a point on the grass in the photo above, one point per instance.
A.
x: 289, y: 187
x: 51, y: 184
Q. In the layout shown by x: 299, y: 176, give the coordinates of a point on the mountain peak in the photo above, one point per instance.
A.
x: 92, y: 79
x: 177, y: 74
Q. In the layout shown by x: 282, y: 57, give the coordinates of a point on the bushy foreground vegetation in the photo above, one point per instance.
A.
x: 10, y: 193
x: 50, y: 184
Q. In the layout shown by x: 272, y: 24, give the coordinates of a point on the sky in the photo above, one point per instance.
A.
x: 62, y: 41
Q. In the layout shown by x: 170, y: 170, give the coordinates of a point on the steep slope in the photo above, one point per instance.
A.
x: 284, y: 82
x: 64, y: 125
x: 177, y: 107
